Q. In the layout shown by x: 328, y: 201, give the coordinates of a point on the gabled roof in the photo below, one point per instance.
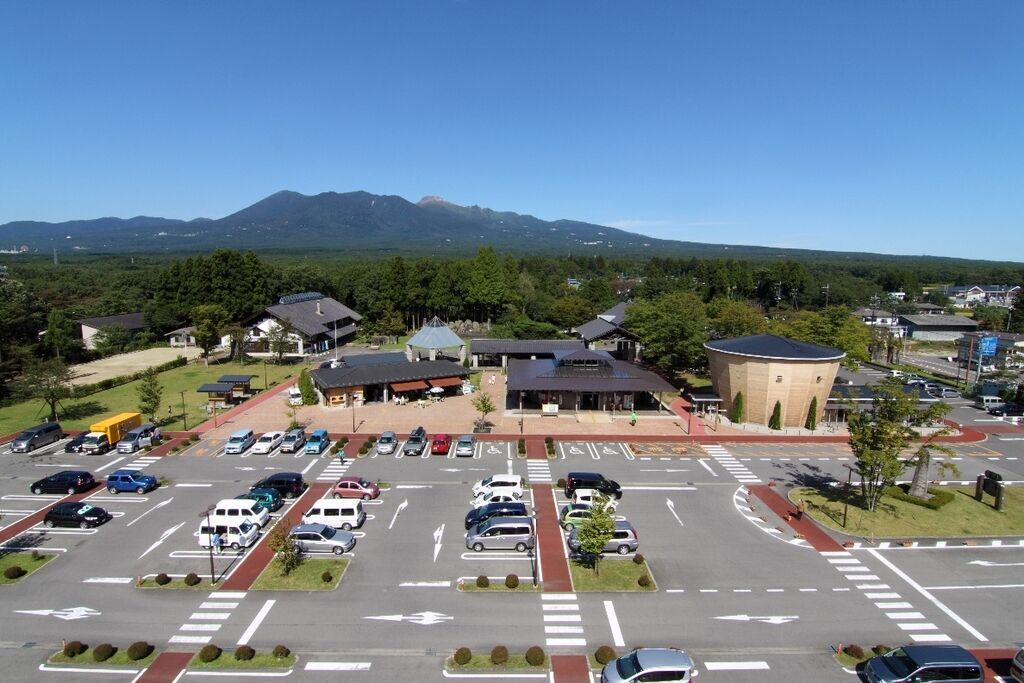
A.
x: 865, y: 312
x: 582, y: 356
x: 236, y: 379
x: 182, y: 330
x: 386, y: 373
x: 304, y: 318
x: 616, y: 314
x: 772, y: 346
x: 435, y: 335
x: 129, y: 321
x: 523, y: 346
x: 939, y: 321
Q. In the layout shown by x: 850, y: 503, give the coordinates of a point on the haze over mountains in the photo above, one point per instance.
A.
x: 363, y: 222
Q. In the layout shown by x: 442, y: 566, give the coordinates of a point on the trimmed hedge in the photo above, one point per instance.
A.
x: 881, y: 649
x: 192, y: 579
x: 209, y: 653
x: 938, y: 499
x: 140, y: 649
x: 326, y: 577
x: 855, y: 651
x: 512, y: 581
x: 482, y: 582
x: 638, y: 558
x: 499, y: 655
x: 244, y: 653
x: 73, y: 648
x: 162, y: 579
x: 462, y: 656
x: 280, y: 651
x: 535, y: 656
x: 644, y: 581
x: 604, y: 654
x: 103, y: 652
x: 14, y: 572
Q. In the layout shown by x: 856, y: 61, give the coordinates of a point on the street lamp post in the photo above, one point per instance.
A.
x: 184, y: 415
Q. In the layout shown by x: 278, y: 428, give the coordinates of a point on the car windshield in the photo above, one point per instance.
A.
x: 316, y: 437
x: 363, y: 483
x: 245, y: 526
x: 487, y: 481
x: 84, y: 509
x: 628, y: 666
x: 266, y: 438
x: 328, y: 532
x: 236, y: 439
x: 387, y: 439
x: 94, y: 439
x: 291, y: 437
x: 899, y: 662
x: 24, y: 436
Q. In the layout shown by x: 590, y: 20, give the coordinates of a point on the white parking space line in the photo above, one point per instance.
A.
x: 736, y: 666
x: 228, y: 595
x: 337, y: 666
x: 218, y: 605
x: 109, y: 464
x: 256, y: 622
x: 209, y: 616
x: 613, y: 623
x: 200, y: 627
x: 308, y: 467
x: 563, y: 629
x: 563, y: 618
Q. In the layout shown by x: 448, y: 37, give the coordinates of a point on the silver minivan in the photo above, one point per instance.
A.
x: 37, y: 437
x: 140, y: 437
x: 502, y: 533
x: 294, y: 441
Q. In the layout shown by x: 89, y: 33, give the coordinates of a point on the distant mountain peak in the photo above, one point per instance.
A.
x: 435, y: 200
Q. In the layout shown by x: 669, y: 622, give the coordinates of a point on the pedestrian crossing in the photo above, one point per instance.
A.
x: 142, y: 462
x: 563, y: 624
x: 335, y: 470
x: 211, y: 615
x: 731, y: 465
x: 538, y: 471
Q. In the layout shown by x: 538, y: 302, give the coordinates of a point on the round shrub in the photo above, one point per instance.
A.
x: 483, y: 582
x: 326, y: 577
x: 462, y: 656
x: 560, y: 484
x: 209, y: 653
x: 604, y: 654
x: 194, y: 438
x: 535, y: 656
x: 36, y: 555
x: 644, y: 581
x: 280, y: 651
x: 14, y: 572
x: 191, y: 579
x: 638, y: 558
x: 499, y: 655
x: 880, y: 649
x: 855, y: 651
x: 244, y: 653
x: 140, y: 649
x: 162, y: 579
x: 73, y: 648
x: 103, y: 652
x: 548, y: 440
x: 512, y: 581
x: 363, y: 450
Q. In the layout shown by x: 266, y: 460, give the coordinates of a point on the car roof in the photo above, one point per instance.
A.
x: 350, y: 478
x: 658, y: 657
x: 303, y: 528
x: 68, y: 506
x: 272, y: 434
x: 622, y: 524
x: 71, y: 473
x: 128, y: 472
x: 241, y: 432
x: 389, y: 433
x: 586, y: 475
x: 510, y: 505
x: 282, y: 475
x: 320, y: 431
x: 509, y: 520
x: 466, y: 437
x: 940, y: 654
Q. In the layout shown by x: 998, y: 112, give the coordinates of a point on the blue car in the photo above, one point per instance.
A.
x: 317, y: 442
x: 131, y: 480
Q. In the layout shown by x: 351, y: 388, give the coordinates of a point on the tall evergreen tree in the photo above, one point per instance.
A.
x: 150, y: 392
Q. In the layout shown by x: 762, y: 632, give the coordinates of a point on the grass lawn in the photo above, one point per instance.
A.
x: 25, y: 561
x: 305, y: 578
x: 483, y: 662
x: 964, y: 516
x: 119, y: 658
x: 80, y: 413
x: 177, y: 583
x: 262, y: 660
x: 616, y: 575
x: 498, y: 586
x: 695, y: 381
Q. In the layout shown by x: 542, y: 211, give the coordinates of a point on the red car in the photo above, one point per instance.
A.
x: 355, y: 487
x: 441, y: 445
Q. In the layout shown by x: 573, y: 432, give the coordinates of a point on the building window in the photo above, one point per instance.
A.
x: 778, y: 379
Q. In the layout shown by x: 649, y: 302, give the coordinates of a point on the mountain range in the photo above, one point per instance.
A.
x: 360, y: 222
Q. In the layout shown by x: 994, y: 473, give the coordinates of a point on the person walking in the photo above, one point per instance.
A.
x: 215, y: 542
x: 632, y: 418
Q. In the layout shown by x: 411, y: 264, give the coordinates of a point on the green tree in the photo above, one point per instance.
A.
x: 47, y: 380
x: 110, y: 340
x: 60, y: 333
x: 775, y: 422
x: 673, y: 329
x: 737, y: 415
x: 306, y: 387
x: 834, y: 326
x: 484, y: 404
x: 150, y: 392
x: 22, y: 314
x: 728, y: 319
x: 289, y: 556
x: 812, y: 414
x: 571, y: 310
x: 991, y: 317
x: 280, y: 338
x: 236, y: 333
x: 488, y: 288
x: 595, y: 531
x: 1016, y: 314
x: 210, y: 320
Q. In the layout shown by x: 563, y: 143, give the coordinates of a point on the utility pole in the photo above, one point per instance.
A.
x: 827, y: 288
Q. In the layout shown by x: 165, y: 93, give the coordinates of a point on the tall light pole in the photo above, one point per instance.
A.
x: 184, y: 415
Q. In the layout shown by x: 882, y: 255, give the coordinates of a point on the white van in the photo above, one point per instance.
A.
x: 294, y: 397
x: 233, y: 510
x: 233, y: 535
x: 986, y: 402
x: 340, y: 513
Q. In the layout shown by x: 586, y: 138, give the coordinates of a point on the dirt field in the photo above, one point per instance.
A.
x: 127, y: 363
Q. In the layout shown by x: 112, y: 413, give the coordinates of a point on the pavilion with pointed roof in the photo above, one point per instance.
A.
x: 435, y: 336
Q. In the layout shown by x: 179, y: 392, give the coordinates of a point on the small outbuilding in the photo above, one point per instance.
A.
x: 435, y: 336
x: 937, y: 327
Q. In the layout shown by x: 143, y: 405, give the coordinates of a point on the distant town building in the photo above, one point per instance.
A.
x: 937, y: 327
x: 130, y: 322
x: 972, y: 295
x: 1009, y: 349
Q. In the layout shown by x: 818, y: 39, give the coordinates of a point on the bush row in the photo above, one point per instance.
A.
x: 243, y: 653
x: 499, y: 655
x: 82, y: 390
x: 938, y: 499
x: 191, y: 579
x: 104, y: 651
x: 857, y: 652
x: 511, y: 581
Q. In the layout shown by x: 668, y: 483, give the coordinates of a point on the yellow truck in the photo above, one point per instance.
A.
x: 104, y: 435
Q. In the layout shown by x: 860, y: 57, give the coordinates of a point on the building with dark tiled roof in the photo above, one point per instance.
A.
x: 767, y: 369
x: 355, y: 380
x: 606, y: 332
x: 130, y: 322
x: 500, y: 351
x: 937, y: 327
x: 318, y: 322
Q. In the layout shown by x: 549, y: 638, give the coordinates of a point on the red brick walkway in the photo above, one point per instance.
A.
x: 257, y: 559
x: 996, y: 662
x: 818, y: 539
x: 242, y: 407
x: 165, y: 668
x: 570, y: 669
x: 549, y: 532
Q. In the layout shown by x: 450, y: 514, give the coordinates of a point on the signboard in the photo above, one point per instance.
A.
x: 549, y: 409
x: 987, y: 346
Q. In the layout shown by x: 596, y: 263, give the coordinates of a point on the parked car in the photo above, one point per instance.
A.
x: 240, y: 441
x: 508, y: 483
x: 270, y: 499
x: 294, y: 396
x: 587, y: 497
x: 321, y: 538
x: 75, y: 444
x: 81, y: 515
x: 268, y: 442
x: 924, y: 663
x: 502, y: 533
x: 293, y: 441
x: 416, y: 442
x: 140, y: 437
x: 486, y: 512
x: 949, y: 392
x: 338, y: 513
x: 37, y: 437
x: 235, y: 535
x: 355, y: 487
x: 318, y: 442
x: 441, y: 444
x: 494, y: 497
x: 649, y: 664
x: 231, y: 510
x: 287, y: 484
x: 65, y: 481
x: 591, y: 480
x: 571, y: 515
x: 131, y: 480
x: 387, y: 443
x: 1017, y: 666
x: 931, y: 387
x: 466, y: 446
x: 624, y: 539
x: 1007, y: 410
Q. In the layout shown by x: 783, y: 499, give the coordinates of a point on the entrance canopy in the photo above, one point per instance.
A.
x: 446, y: 382
x: 408, y: 386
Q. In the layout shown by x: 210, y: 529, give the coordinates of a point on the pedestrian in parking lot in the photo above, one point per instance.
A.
x: 215, y: 542
x: 632, y: 419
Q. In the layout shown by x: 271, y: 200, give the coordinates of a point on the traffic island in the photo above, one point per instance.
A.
x: 16, y: 566
x: 314, y: 574
x: 168, y: 582
x: 103, y: 656
x: 499, y: 659
x: 497, y: 584
x: 613, y: 575
x: 212, y: 658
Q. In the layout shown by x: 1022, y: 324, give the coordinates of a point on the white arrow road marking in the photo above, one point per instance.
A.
x: 672, y: 509
x: 67, y: 614
x: 421, y: 618
x: 986, y: 563
x: 245, y: 469
x: 163, y: 537
x: 401, y: 506
x: 155, y: 507
x: 438, y: 533
x: 766, y: 620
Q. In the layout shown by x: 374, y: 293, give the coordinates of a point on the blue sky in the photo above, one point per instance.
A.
x: 895, y: 127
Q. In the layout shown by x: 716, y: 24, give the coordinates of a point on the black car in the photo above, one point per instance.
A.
x: 485, y: 512
x: 1007, y: 410
x: 416, y: 442
x: 67, y: 481
x: 81, y: 515
x: 592, y: 480
x: 287, y: 484
x: 75, y: 445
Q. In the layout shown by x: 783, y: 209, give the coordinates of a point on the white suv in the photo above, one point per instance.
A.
x: 505, y: 483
